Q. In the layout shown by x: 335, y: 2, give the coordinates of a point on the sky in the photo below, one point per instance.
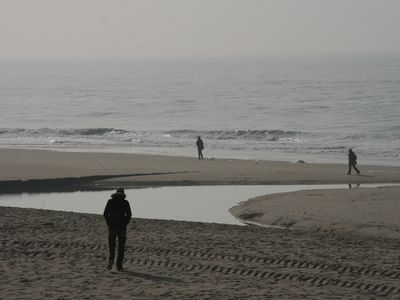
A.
x: 188, y: 28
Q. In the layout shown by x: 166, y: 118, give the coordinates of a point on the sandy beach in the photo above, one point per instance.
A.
x: 107, y: 109
x: 60, y: 255
x: 330, y: 244
x: 37, y: 170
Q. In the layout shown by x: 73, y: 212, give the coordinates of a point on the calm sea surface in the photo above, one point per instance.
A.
x: 286, y: 108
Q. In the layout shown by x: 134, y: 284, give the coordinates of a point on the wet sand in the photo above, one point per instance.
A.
x: 35, y: 170
x: 356, y: 211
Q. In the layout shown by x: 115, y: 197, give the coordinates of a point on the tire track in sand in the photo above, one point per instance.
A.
x: 311, y: 280
x: 51, y: 250
x: 284, y: 262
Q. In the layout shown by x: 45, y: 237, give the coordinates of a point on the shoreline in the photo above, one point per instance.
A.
x: 222, y: 154
x: 46, y: 171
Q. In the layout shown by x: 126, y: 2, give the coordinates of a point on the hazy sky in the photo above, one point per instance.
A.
x: 130, y: 28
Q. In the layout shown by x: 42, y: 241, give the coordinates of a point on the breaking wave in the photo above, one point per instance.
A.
x: 255, y: 135
x: 266, y: 140
x: 40, y: 132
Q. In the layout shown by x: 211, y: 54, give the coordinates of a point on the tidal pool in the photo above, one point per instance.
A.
x: 188, y: 203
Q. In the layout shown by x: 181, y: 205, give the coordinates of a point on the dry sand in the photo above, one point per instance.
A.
x: 342, y: 244
x: 60, y: 255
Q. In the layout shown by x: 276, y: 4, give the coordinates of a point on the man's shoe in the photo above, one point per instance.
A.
x: 120, y: 269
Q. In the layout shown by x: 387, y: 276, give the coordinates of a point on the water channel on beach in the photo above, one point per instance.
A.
x: 188, y: 203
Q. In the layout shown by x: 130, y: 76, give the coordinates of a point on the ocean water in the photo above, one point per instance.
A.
x: 312, y: 109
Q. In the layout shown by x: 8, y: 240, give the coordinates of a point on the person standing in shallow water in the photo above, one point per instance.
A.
x: 352, y: 162
x: 117, y: 214
x: 200, y: 147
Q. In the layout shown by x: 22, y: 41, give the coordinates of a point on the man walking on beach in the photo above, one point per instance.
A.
x: 200, y: 147
x: 118, y: 215
x: 352, y: 162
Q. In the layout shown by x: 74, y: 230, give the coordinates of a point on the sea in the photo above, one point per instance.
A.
x: 276, y: 108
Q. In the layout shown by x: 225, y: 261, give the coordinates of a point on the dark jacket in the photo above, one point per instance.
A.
x: 200, y: 144
x: 118, y: 211
x: 352, y: 158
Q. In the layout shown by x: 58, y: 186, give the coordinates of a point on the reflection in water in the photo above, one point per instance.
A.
x: 189, y: 203
x: 354, y: 185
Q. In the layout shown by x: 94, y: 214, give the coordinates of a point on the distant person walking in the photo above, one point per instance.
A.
x: 118, y: 215
x: 352, y: 162
x: 200, y: 147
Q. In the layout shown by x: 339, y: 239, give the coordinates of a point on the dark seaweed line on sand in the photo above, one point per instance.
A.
x: 66, y: 184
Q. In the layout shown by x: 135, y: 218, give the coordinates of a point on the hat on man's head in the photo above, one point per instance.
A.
x: 120, y: 190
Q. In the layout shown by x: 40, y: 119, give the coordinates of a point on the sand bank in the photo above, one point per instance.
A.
x: 365, y: 211
x: 36, y: 170
x: 59, y: 255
